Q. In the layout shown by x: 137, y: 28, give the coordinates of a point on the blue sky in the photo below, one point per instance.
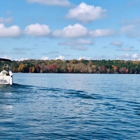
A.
x: 70, y: 29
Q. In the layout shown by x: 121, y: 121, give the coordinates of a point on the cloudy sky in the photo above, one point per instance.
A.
x: 70, y: 29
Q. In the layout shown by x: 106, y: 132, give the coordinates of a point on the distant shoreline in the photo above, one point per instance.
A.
x: 79, y: 73
x: 77, y: 66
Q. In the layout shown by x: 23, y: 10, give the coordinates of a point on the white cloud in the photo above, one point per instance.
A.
x: 132, y: 33
x: 136, y: 56
x: 70, y: 31
x: 86, y: 13
x: 86, y: 58
x: 21, y: 59
x: 37, y: 30
x: 117, y: 43
x: 45, y: 58
x: 128, y: 49
x: 51, y: 2
x: 126, y: 28
x: 131, y: 28
x: 122, y: 57
x: 79, y: 30
x: 60, y: 57
x: 79, y: 48
x: 6, y: 57
x: 13, y: 31
x: 5, y: 20
x: 101, y: 32
x: 135, y: 21
x: 77, y: 42
x: 128, y: 57
x: 84, y: 42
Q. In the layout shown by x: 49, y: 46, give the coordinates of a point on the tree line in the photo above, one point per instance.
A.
x: 77, y: 66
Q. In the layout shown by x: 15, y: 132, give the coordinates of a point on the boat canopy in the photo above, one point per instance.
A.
x: 5, y: 59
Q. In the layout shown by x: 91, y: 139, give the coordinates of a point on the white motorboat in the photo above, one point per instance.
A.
x: 6, y: 75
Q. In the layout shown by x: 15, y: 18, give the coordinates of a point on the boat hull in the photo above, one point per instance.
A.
x: 6, y: 80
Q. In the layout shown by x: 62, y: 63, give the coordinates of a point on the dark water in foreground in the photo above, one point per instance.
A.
x: 70, y: 106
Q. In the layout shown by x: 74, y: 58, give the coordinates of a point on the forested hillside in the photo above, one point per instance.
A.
x: 77, y: 66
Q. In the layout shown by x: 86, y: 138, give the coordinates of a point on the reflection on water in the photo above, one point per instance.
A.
x: 70, y: 106
x: 7, y: 107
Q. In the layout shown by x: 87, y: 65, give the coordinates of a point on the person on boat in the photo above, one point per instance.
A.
x: 5, y: 70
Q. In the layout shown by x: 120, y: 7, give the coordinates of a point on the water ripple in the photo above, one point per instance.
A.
x: 75, y: 111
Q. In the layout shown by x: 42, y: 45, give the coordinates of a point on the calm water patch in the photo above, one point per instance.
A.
x: 70, y: 106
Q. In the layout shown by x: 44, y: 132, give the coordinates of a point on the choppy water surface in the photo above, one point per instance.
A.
x: 70, y: 106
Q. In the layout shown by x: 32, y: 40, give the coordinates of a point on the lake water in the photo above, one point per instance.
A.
x: 70, y: 106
